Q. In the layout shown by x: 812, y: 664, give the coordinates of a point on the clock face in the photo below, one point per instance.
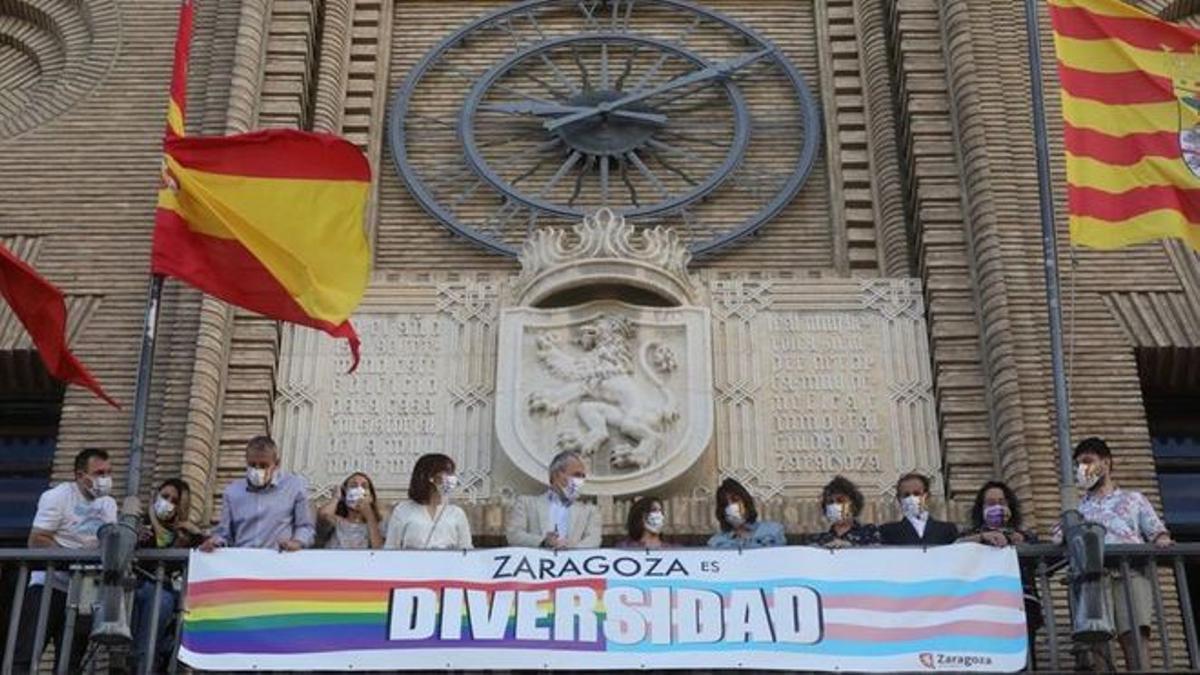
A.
x: 544, y: 111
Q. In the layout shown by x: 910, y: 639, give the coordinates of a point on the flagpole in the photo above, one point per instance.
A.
x: 1062, y: 412
x: 141, y: 400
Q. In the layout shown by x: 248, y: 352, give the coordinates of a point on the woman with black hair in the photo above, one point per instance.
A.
x: 996, y: 517
x: 738, y: 517
x: 996, y: 521
x: 841, y: 504
x: 645, y: 524
x: 427, y: 520
x: 353, y: 519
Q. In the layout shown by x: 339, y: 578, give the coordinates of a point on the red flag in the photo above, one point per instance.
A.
x: 41, y: 309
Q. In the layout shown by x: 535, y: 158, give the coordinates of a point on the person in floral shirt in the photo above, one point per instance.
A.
x: 1128, y: 518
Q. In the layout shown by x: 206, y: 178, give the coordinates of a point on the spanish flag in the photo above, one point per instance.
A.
x: 271, y: 221
x: 1131, y: 115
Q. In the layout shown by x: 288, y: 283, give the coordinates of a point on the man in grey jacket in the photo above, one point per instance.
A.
x: 556, y: 519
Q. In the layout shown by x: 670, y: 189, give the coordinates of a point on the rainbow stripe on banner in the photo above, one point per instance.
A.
x: 307, y: 616
x: 956, y: 608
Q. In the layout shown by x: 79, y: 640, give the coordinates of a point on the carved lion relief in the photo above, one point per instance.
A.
x: 604, y: 380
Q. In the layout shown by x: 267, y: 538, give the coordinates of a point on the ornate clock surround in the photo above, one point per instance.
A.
x: 762, y: 121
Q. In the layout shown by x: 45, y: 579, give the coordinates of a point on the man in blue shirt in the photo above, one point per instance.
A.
x: 268, y: 508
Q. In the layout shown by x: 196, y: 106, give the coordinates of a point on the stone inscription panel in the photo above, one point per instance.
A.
x: 820, y: 377
x: 425, y: 384
x: 389, y: 411
x: 826, y: 394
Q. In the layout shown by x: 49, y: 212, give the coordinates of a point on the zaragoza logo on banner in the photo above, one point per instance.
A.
x: 789, y: 608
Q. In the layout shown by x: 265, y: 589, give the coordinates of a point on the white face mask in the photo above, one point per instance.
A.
x: 354, y: 495
x: 835, y: 512
x: 101, y: 486
x: 573, y: 488
x: 256, y: 476
x: 448, y: 485
x: 733, y: 514
x: 1086, y: 477
x: 163, y: 508
x: 655, y: 521
x: 912, y: 506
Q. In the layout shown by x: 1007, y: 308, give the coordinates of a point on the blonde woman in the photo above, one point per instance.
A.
x: 164, y: 526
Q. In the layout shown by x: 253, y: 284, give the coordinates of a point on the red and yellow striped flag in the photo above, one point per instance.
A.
x: 1131, y: 115
x: 271, y: 221
x: 177, y: 104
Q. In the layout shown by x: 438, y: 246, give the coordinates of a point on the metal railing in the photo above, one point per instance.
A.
x: 27, y: 634
x: 1044, y: 567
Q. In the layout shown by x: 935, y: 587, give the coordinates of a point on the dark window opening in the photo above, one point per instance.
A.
x: 623, y: 292
x: 1170, y: 381
x: 1171, y: 393
x: 30, y: 408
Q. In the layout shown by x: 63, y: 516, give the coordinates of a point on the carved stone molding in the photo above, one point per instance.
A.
x: 604, y: 248
x: 740, y: 298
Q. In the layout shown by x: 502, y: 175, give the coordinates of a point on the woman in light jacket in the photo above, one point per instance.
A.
x: 427, y: 519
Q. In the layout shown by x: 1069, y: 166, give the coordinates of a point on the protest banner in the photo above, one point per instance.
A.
x: 950, y: 608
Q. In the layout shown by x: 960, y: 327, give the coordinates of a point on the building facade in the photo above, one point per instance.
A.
x: 887, y: 313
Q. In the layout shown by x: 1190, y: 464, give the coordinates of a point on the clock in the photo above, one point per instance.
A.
x: 666, y: 112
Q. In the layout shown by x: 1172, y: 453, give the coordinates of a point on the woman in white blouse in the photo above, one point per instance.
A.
x: 427, y: 519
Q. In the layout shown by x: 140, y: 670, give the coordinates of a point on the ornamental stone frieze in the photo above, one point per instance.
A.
x: 607, y: 343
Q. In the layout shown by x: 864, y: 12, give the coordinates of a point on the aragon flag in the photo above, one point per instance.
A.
x: 271, y: 221
x: 1131, y: 115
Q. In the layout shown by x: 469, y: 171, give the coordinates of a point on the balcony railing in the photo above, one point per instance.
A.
x: 1173, y: 633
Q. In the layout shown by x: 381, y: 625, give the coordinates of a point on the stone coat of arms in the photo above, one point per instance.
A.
x: 603, y: 380
x: 628, y: 386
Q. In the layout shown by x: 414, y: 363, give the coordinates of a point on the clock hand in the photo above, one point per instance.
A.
x: 550, y: 109
x: 722, y: 69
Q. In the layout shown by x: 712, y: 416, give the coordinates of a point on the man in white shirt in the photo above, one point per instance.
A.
x: 556, y: 519
x: 68, y: 516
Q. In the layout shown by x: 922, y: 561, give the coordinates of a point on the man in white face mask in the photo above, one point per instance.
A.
x: 556, y: 519
x: 1128, y: 518
x: 916, y: 527
x: 68, y: 516
x: 266, y: 509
